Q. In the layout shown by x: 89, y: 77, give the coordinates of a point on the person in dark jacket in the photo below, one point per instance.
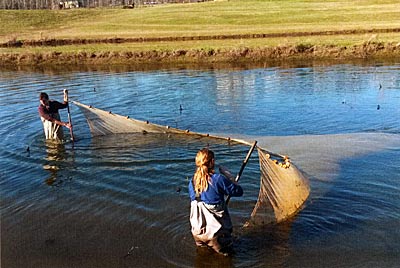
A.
x: 48, y: 111
x: 211, y: 224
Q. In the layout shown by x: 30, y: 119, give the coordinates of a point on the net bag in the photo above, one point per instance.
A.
x: 283, y: 189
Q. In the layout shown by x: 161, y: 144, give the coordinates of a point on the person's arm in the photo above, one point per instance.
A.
x: 64, y: 105
x: 226, y: 173
x: 46, y: 116
x: 60, y: 105
x: 43, y: 114
x: 230, y: 188
x: 192, y: 194
x: 64, y: 124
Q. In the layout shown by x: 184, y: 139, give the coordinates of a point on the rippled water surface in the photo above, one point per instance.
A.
x: 121, y: 200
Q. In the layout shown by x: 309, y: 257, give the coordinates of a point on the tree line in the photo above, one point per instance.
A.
x: 61, y: 4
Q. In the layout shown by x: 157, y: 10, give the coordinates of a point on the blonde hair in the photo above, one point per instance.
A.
x: 204, y: 168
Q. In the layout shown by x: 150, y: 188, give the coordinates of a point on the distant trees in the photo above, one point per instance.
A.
x: 28, y: 4
x: 59, y: 4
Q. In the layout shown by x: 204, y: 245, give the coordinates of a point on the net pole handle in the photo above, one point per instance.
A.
x: 69, y: 114
x: 243, y: 166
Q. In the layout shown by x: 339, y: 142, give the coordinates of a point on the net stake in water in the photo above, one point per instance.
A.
x: 69, y: 115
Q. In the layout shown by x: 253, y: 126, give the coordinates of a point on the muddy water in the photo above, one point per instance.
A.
x: 121, y: 201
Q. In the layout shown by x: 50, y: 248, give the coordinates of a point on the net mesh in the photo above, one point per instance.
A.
x: 283, y: 187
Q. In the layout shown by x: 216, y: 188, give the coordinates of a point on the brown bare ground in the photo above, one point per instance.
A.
x: 368, y: 50
x: 62, y: 42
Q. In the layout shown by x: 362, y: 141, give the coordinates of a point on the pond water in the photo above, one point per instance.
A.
x: 121, y: 200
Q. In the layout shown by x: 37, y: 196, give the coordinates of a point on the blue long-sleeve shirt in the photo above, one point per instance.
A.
x: 219, y: 187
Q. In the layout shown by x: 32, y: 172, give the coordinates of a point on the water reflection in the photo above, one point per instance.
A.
x: 266, y: 244
x: 56, y: 154
x: 286, y: 64
x: 254, y: 247
x: 206, y: 257
x: 124, y: 189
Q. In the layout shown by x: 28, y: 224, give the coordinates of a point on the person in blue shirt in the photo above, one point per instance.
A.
x: 211, y: 224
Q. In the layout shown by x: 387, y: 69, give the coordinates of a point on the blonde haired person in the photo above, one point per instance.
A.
x: 209, y: 216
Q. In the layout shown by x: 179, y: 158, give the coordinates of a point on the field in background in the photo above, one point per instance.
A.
x: 223, y: 24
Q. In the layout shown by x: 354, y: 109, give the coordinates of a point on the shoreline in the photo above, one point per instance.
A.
x: 365, y: 51
x: 119, y: 40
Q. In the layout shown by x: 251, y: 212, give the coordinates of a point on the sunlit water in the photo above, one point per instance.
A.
x: 121, y: 201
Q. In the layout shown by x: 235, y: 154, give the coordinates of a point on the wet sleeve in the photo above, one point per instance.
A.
x: 60, y: 105
x: 43, y: 114
x: 192, y: 194
x: 229, y: 188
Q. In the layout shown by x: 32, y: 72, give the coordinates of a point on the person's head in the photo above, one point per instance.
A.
x: 44, y: 98
x: 204, y: 168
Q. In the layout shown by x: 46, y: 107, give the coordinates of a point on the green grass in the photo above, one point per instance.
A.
x: 340, y: 40
x: 208, y: 18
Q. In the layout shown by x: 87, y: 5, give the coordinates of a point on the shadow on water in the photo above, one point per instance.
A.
x: 253, y: 246
x: 359, y: 193
x: 264, y: 244
x: 206, y: 257
x: 355, y: 223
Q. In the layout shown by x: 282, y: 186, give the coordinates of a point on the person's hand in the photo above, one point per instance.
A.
x: 226, y: 173
x: 67, y: 125
x: 65, y: 95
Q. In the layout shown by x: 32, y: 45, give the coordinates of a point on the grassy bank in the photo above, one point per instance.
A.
x: 213, y: 30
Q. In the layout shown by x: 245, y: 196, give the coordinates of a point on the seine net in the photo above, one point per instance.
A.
x: 283, y: 187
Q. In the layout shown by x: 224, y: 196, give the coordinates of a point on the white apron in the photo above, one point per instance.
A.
x: 51, y: 130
